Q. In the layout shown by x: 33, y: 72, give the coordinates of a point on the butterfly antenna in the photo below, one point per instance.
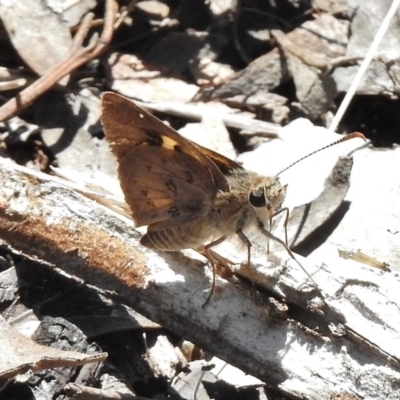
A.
x: 343, y: 139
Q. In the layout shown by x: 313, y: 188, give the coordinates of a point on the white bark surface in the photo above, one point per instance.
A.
x: 348, y: 344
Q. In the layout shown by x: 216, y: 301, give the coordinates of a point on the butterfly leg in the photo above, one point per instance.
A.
x: 280, y: 241
x: 220, y: 261
x: 211, y: 259
x: 285, y: 210
x: 247, y: 242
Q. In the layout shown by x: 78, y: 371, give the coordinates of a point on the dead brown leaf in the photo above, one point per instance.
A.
x: 19, y: 354
x: 39, y: 35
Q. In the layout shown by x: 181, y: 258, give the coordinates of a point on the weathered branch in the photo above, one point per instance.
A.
x: 356, y: 349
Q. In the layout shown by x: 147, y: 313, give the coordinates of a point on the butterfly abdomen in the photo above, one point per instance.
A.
x: 170, y: 239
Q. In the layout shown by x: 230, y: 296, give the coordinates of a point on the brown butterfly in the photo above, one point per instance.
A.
x: 189, y: 196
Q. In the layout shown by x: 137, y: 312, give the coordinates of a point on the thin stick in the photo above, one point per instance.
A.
x: 364, y: 65
x: 196, y: 113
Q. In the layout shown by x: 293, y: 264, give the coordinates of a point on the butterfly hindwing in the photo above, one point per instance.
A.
x: 160, y: 184
x: 224, y: 164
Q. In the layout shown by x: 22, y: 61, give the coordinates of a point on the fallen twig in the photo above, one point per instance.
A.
x: 79, y: 55
x: 312, y: 59
x: 196, y: 113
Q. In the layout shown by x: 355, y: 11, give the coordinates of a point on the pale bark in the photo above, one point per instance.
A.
x: 355, y: 351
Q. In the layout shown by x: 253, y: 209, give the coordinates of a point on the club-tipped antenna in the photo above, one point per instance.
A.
x: 343, y: 139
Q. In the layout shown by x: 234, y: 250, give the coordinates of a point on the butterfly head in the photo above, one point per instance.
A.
x: 268, y: 196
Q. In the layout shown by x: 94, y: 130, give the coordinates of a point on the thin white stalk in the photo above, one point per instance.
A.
x: 364, y: 65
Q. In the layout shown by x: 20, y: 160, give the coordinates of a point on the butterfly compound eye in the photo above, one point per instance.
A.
x: 257, y: 198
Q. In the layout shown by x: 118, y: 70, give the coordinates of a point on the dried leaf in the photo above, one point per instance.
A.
x: 19, y: 354
x: 38, y: 34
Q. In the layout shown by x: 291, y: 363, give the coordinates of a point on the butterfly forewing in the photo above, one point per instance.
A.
x: 162, y: 175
